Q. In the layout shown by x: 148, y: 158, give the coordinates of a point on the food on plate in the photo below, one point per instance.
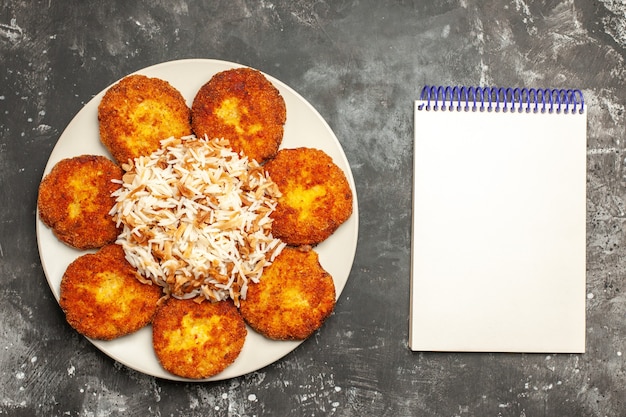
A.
x: 75, y: 198
x: 294, y: 298
x: 197, y: 339
x: 243, y: 106
x: 195, y: 219
x: 203, y: 208
x: 137, y: 113
x: 316, y: 197
x: 102, y: 297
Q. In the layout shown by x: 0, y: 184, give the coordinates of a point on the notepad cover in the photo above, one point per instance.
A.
x: 498, y: 232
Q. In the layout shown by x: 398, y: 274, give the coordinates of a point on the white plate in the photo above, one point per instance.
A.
x: 304, y: 127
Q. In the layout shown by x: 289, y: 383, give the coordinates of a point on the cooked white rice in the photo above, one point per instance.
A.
x: 195, y: 219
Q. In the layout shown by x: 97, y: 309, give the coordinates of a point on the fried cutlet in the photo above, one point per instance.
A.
x: 293, y: 298
x: 243, y: 106
x: 137, y: 113
x: 75, y: 199
x: 197, y: 339
x: 316, y: 197
x: 102, y: 297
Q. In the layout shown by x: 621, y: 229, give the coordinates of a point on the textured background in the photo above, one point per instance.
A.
x: 361, y: 64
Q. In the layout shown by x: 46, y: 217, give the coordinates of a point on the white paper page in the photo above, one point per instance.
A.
x: 498, y: 240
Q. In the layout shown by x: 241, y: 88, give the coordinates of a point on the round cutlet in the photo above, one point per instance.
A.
x: 75, y: 200
x: 197, y: 339
x: 137, y: 113
x: 293, y: 298
x: 316, y: 197
x: 102, y: 297
x: 243, y: 106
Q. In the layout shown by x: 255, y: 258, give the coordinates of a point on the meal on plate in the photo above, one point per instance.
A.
x: 75, y: 199
x: 195, y: 216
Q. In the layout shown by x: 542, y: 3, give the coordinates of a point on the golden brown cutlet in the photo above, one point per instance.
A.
x: 75, y: 200
x: 197, y: 339
x: 137, y: 113
x: 243, y: 106
x: 293, y: 298
x: 316, y: 197
x: 102, y: 297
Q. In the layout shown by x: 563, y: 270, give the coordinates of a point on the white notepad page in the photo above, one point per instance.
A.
x: 498, y: 239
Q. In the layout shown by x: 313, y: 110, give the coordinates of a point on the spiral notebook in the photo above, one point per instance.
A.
x: 498, y: 230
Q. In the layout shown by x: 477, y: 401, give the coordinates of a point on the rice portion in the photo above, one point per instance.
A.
x: 195, y: 219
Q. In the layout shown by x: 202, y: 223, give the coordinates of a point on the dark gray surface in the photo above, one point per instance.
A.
x: 361, y: 64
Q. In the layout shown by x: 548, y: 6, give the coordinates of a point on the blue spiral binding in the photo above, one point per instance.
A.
x: 536, y: 100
